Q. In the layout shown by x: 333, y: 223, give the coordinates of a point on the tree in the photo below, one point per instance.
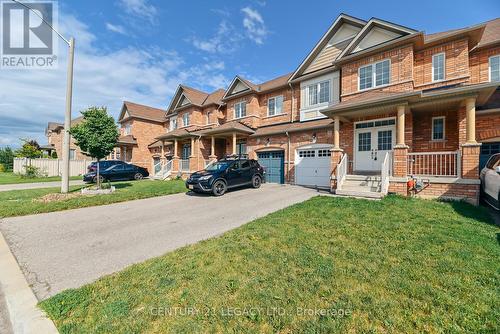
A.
x: 96, y: 135
x: 30, y: 149
x: 7, y: 158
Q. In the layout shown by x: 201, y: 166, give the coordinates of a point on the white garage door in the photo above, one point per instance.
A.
x: 312, y: 167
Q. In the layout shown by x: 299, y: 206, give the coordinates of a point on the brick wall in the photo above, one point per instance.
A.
x: 450, y: 191
x: 456, y: 64
x: 263, y: 107
x: 487, y: 126
x: 401, y: 72
x: 145, y: 132
x: 422, y: 132
x: 479, y: 64
x: 56, y: 138
x: 252, y: 118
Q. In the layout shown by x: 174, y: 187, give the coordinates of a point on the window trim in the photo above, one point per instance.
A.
x: 127, y: 129
x: 208, y: 113
x: 444, y: 66
x: 274, y: 99
x: 374, y: 75
x: 308, y: 104
x: 234, y: 107
x: 444, y: 128
x: 489, y: 65
x: 172, y: 121
x: 184, y: 120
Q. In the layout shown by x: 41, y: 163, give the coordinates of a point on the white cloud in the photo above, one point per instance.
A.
x: 31, y: 98
x: 116, y: 28
x: 254, y: 25
x: 140, y: 8
x: 225, y: 40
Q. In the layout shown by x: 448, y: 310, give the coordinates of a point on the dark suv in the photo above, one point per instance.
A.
x: 225, y: 174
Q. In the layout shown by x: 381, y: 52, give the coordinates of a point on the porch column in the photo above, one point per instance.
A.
x: 234, y: 143
x: 471, y: 148
x: 336, y: 133
x: 162, y: 150
x: 192, y: 147
x: 470, y: 115
x: 195, y: 154
x: 175, y: 158
x: 400, y: 152
x: 401, y: 126
x: 212, y: 148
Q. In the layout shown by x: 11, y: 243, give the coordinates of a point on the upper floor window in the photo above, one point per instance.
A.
x: 495, y: 68
x: 209, y: 113
x: 374, y: 75
x: 240, y: 109
x: 275, y: 105
x: 438, y: 66
x: 128, y: 129
x: 185, y: 119
x: 173, y: 123
x: 318, y: 93
x: 438, y: 128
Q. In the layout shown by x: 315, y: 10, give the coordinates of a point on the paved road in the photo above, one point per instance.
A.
x: 67, y: 249
x: 37, y: 185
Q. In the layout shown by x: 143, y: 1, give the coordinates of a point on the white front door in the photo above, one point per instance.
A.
x: 372, y: 143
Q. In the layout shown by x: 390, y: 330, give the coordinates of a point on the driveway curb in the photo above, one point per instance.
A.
x: 25, y: 316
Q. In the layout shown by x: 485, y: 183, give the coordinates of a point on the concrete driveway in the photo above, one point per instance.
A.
x: 67, y: 249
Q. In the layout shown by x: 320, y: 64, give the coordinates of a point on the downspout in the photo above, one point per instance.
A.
x: 293, y: 104
x: 288, y: 157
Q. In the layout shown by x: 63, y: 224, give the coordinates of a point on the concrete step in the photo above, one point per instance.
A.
x: 362, y: 183
x: 359, y: 193
x: 361, y: 188
x: 353, y: 177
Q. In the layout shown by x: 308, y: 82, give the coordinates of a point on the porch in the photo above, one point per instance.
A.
x: 429, y: 137
x: 191, y: 151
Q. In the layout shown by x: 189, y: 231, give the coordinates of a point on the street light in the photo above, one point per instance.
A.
x: 69, y: 94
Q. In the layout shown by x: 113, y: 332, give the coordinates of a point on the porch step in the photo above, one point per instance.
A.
x: 359, y: 193
x: 367, y: 186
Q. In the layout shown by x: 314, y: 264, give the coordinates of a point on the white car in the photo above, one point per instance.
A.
x: 490, y: 181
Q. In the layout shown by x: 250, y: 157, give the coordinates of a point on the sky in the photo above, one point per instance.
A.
x: 141, y: 50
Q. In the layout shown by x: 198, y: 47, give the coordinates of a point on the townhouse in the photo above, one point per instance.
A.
x: 54, y: 134
x: 373, y: 104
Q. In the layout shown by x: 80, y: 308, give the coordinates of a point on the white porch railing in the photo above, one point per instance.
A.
x: 157, y: 167
x: 385, y: 173
x: 434, y: 164
x: 165, y: 170
x: 184, y: 165
x: 341, y: 172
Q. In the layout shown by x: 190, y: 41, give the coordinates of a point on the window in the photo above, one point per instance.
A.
x: 324, y: 153
x: 319, y: 93
x: 438, y: 128
x: 240, y: 110
x: 185, y: 119
x: 307, y: 154
x: 173, y: 123
x: 245, y: 164
x: 364, y: 141
x: 385, y: 140
x: 72, y: 154
x: 208, y: 117
x: 495, y: 68
x: 374, y: 75
x: 275, y: 106
x: 384, y: 122
x: 128, y: 129
x: 438, y: 65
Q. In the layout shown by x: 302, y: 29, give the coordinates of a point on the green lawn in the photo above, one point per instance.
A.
x: 11, y: 178
x: 391, y: 266
x: 24, y: 202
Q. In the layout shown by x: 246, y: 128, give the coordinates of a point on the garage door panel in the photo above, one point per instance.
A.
x: 312, y: 167
x: 273, y: 163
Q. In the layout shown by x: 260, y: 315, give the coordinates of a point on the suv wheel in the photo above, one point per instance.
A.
x: 256, y: 181
x: 101, y: 178
x: 138, y: 176
x: 219, y: 188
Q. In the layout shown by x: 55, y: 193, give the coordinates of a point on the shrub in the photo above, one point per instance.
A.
x: 31, y: 172
x: 2, y: 168
x: 7, y: 158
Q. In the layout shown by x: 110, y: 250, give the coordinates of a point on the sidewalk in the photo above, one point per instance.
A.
x: 37, y: 185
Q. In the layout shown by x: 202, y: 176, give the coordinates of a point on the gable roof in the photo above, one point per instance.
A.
x: 140, y: 111
x: 251, y: 87
x: 195, y: 97
x: 393, y: 30
x: 334, y: 28
x: 54, y: 126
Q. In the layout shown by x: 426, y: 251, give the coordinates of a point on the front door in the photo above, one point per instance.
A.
x: 372, y: 142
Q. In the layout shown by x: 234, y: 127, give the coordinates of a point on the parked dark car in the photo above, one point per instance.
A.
x: 104, y: 164
x: 118, y: 172
x: 490, y: 181
x: 225, y: 174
